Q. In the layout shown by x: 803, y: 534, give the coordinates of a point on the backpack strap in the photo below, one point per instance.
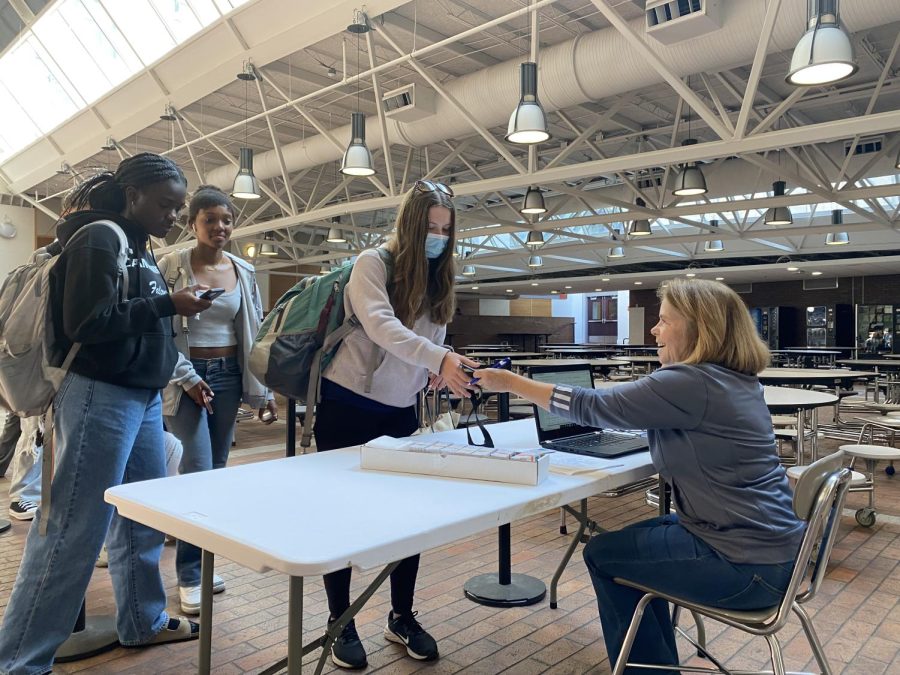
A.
x: 388, y: 261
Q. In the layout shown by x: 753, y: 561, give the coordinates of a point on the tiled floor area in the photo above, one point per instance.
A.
x: 857, y: 612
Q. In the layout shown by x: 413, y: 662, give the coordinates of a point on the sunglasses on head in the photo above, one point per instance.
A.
x: 433, y: 186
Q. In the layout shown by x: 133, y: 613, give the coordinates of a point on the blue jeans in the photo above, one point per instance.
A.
x: 206, y: 439
x: 106, y: 435
x: 662, y: 554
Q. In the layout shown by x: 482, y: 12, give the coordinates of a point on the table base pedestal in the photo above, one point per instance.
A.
x: 486, y: 589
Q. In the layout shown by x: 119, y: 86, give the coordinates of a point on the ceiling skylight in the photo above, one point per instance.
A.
x: 81, y: 49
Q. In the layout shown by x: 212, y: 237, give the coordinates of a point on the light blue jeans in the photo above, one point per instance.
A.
x: 26, y: 464
x: 206, y: 439
x: 106, y: 435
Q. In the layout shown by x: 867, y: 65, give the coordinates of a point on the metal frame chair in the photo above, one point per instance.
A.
x: 818, y: 499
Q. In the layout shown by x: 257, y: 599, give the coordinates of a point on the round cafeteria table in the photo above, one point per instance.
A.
x: 811, y: 376
x: 786, y: 400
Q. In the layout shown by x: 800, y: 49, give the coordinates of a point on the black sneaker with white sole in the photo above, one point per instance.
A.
x: 347, y: 650
x: 23, y: 509
x: 406, y: 631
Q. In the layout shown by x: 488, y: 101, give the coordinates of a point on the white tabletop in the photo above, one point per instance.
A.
x: 324, y: 513
x: 571, y: 362
x: 809, y: 375
x: 788, y: 397
x: 502, y: 355
x: 638, y: 359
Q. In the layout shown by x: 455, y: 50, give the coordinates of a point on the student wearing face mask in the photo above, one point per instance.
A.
x: 403, y: 296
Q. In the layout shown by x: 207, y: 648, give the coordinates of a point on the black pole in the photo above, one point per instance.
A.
x: 505, y: 560
x: 291, y: 440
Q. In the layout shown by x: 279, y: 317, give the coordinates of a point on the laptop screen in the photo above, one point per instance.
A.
x: 550, y: 426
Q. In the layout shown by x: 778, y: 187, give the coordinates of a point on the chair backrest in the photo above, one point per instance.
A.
x: 818, y: 499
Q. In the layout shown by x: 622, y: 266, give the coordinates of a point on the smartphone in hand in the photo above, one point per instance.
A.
x: 212, y: 293
x: 207, y: 401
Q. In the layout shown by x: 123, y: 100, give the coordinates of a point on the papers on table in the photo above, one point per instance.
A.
x: 574, y: 465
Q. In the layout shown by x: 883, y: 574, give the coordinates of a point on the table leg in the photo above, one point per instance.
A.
x: 503, y: 406
x: 295, y: 626
x: 505, y: 589
x: 207, y: 563
x: 291, y: 439
x: 801, y: 432
x: 582, y: 519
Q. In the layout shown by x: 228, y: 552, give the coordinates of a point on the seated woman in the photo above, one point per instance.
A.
x: 734, y: 536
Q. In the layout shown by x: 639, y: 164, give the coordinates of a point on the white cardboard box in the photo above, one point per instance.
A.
x: 378, y: 458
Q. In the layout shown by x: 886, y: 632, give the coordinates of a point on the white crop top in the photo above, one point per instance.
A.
x: 214, y: 327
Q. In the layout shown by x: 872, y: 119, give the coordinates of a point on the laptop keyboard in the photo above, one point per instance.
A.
x: 599, y: 440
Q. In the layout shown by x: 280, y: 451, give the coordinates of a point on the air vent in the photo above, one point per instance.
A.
x: 820, y: 284
x: 408, y: 104
x: 649, y: 181
x: 741, y: 288
x: 865, y: 146
x: 673, y: 21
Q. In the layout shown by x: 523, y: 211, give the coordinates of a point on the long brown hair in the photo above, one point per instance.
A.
x: 718, y: 324
x: 413, y: 290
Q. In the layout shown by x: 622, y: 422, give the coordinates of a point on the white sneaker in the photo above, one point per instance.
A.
x: 190, y: 595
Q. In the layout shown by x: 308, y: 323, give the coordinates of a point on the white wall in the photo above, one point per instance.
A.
x: 575, y: 306
x: 16, y: 251
x: 493, y: 307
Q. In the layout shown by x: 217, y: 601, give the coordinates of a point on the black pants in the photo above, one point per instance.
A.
x: 339, y: 425
x: 9, y: 436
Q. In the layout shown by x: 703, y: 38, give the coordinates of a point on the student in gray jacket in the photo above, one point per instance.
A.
x: 735, y: 535
x: 404, y: 316
x: 215, y: 348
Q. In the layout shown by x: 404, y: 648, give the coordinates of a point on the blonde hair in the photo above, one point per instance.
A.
x: 414, y: 291
x: 718, y: 325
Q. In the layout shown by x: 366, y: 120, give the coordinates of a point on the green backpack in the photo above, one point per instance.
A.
x: 300, y: 336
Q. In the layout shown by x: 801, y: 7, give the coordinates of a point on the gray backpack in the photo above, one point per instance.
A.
x: 28, y: 377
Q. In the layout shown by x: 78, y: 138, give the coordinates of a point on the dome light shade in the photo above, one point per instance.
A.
x: 824, y: 54
x: 336, y: 236
x: 779, y: 215
x: 837, y: 238
x: 714, y: 245
x: 616, y: 252
x: 641, y: 226
x: 690, y: 180
x: 535, y: 261
x: 245, y: 183
x: 528, y: 123
x: 535, y: 239
x: 468, y: 270
x: 268, y: 248
x: 534, y: 201
x: 357, y: 160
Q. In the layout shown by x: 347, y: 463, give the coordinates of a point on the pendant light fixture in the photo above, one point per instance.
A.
x: 824, y: 54
x: 335, y: 234
x: 535, y: 239
x: 640, y: 227
x: 690, y: 179
x: 528, y: 123
x: 535, y: 261
x: 616, y: 252
x: 468, y: 270
x: 837, y: 238
x: 534, y: 201
x: 897, y: 163
x: 268, y: 246
x: 357, y: 160
x: 245, y: 184
x: 714, y: 245
x: 779, y: 215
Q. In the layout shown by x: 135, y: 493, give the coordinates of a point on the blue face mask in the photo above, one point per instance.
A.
x: 435, y: 245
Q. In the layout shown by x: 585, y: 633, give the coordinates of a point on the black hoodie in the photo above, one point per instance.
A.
x: 125, y: 343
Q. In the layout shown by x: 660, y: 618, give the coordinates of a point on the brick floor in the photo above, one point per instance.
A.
x: 857, y: 612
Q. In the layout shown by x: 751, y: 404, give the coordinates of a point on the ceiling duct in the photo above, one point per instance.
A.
x: 671, y: 21
x: 408, y: 104
x: 572, y: 73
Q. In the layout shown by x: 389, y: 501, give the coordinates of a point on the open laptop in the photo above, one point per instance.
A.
x: 557, y: 433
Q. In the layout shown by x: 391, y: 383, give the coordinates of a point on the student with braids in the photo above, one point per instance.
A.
x: 404, y: 308
x: 218, y: 343
x: 107, y: 415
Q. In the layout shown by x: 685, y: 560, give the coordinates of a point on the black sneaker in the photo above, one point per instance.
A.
x: 347, y: 650
x: 23, y: 509
x: 409, y: 632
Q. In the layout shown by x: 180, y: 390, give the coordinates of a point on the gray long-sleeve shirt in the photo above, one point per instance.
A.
x: 711, y: 439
